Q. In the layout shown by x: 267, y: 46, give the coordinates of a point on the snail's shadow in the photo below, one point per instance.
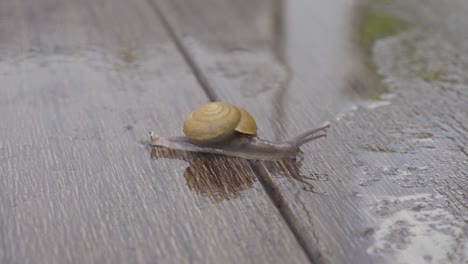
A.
x: 209, y: 176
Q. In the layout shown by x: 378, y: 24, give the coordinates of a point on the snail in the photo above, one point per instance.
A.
x: 223, y: 128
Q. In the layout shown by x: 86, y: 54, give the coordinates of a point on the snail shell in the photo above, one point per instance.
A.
x: 216, y: 122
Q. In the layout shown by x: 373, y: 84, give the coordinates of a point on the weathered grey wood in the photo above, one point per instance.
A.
x: 389, y: 183
x: 82, y: 83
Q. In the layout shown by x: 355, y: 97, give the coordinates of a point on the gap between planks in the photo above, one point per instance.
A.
x: 310, y: 247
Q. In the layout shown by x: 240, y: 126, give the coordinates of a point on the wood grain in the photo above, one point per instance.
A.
x: 82, y: 83
x: 390, y: 175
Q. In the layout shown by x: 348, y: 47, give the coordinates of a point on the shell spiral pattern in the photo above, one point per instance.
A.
x: 216, y: 122
x: 212, y: 123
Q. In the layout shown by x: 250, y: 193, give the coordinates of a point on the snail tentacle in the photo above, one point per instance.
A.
x: 308, y: 139
x: 309, y: 136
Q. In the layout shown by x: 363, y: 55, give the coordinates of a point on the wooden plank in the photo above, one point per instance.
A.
x: 389, y: 177
x: 82, y: 83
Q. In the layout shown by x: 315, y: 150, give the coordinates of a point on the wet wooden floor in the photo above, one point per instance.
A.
x: 82, y: 83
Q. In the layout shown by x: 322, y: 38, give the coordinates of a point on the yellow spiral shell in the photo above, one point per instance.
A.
x: 215, y: 122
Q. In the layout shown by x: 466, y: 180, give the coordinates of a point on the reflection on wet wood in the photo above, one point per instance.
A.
x: 388, y: 178
x: 209, y: 176
x: 292, y: 169
x: 82, y: 82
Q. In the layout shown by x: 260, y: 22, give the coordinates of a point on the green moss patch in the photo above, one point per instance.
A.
x: 374, y: 25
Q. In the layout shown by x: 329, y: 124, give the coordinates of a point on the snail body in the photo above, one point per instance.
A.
x: 222, y: 128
